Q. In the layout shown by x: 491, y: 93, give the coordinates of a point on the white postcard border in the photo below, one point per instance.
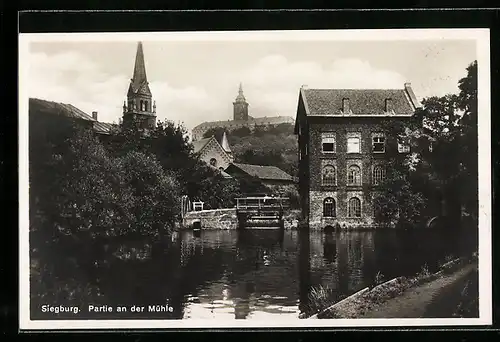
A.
x: 482, y: 38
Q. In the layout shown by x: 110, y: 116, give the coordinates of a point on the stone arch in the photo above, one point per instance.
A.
x: 354, y: 175
x: 354, y: 207
x: 329, y: 207
x: 329, y: 176
x: 378, y: 174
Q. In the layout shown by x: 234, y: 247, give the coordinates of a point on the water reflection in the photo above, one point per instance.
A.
x: 256, y: 274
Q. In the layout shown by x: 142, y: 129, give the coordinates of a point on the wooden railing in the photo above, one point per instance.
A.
x: 262, y: 203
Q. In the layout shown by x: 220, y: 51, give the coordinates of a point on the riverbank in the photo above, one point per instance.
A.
x: 226, y: 219
x: 451, y: 292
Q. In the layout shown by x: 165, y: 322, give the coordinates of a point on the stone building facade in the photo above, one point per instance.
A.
x: 342, y: 149
x: 217, y: 155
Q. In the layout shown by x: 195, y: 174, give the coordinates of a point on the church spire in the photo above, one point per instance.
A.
x: 140, y: 67
x: 140, y: 105
x: 240, y: 97
x: 139, y: 82
x: 225, y: 143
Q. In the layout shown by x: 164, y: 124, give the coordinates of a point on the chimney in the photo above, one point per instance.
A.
x: 94, y: 115
x: 411, y: 95
x: 388, y: 105
x: 346, y: 108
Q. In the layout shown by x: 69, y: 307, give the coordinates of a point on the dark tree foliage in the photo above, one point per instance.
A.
x: 274, y: 145
x: 400, y: 200
x: 169, y: 143
x: 241, y: 132
x: 91, y: 201
x: 439, y: 176
x: 217, y: 132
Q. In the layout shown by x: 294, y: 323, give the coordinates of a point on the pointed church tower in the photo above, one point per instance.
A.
x: 226, y: 148
x: 240, y: 106
x: 140, y: 108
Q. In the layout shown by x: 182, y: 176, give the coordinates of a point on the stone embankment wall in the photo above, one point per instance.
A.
x: 351, y: 306
x: 226, y: 219
x: 212, y: 219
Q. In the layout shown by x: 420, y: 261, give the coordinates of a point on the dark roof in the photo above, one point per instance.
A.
x: 70, y: 111
x: 104, y: 127
x: 199, y: 144
x: 328, y: 102
x: 263, y: 171
x: 225, y: 174
x: 251, y: 120
x: 56, y: 108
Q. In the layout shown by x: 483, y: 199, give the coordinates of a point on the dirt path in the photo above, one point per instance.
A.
x: 438, y: 298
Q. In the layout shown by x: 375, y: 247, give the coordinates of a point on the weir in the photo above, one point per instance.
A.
x: 255, y: 211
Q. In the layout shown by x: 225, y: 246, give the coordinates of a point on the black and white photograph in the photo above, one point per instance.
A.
x: 317, y: 178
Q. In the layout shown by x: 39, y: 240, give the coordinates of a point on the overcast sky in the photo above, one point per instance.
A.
x: 193, y: 82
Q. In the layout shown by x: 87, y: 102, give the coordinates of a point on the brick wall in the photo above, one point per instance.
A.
x: 341, y: 192
x: 223, y: 159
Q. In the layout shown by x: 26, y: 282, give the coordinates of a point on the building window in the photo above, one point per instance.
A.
x: 213, y: 162
x: 328, y: 142
x: 403, y: 148
x: 329, y: 207
x: 378, y: 143
x: 378, y: 174
x: 354, y: 175
x: 142, y: 105
x: 146, y: 105
x: 353, y: 145
x: 354, y: 207
x: 329, y: 176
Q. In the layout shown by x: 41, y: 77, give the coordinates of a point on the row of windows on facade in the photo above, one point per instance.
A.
x: 354, y: 143
x: 329, y: 175
x: 353, y: 207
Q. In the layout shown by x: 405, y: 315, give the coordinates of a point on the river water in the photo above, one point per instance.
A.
x: 260, y: 274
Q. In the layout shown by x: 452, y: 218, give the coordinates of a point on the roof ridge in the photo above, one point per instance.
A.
x: 360, y: 89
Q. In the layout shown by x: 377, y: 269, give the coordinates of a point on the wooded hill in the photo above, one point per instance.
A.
x: 274, y: 145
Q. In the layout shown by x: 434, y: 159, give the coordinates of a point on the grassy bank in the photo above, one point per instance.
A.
x: 450, y: 292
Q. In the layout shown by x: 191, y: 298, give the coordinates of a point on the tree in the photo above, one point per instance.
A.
x: 241, y: 132
x: 467, y: 102
x: 401, y: 200
x: 217, y: 132
x: 156, y: 194
x: 439, y: 176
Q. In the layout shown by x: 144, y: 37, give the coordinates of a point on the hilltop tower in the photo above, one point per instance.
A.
x: 139, y: 108
x: 240, y: 106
